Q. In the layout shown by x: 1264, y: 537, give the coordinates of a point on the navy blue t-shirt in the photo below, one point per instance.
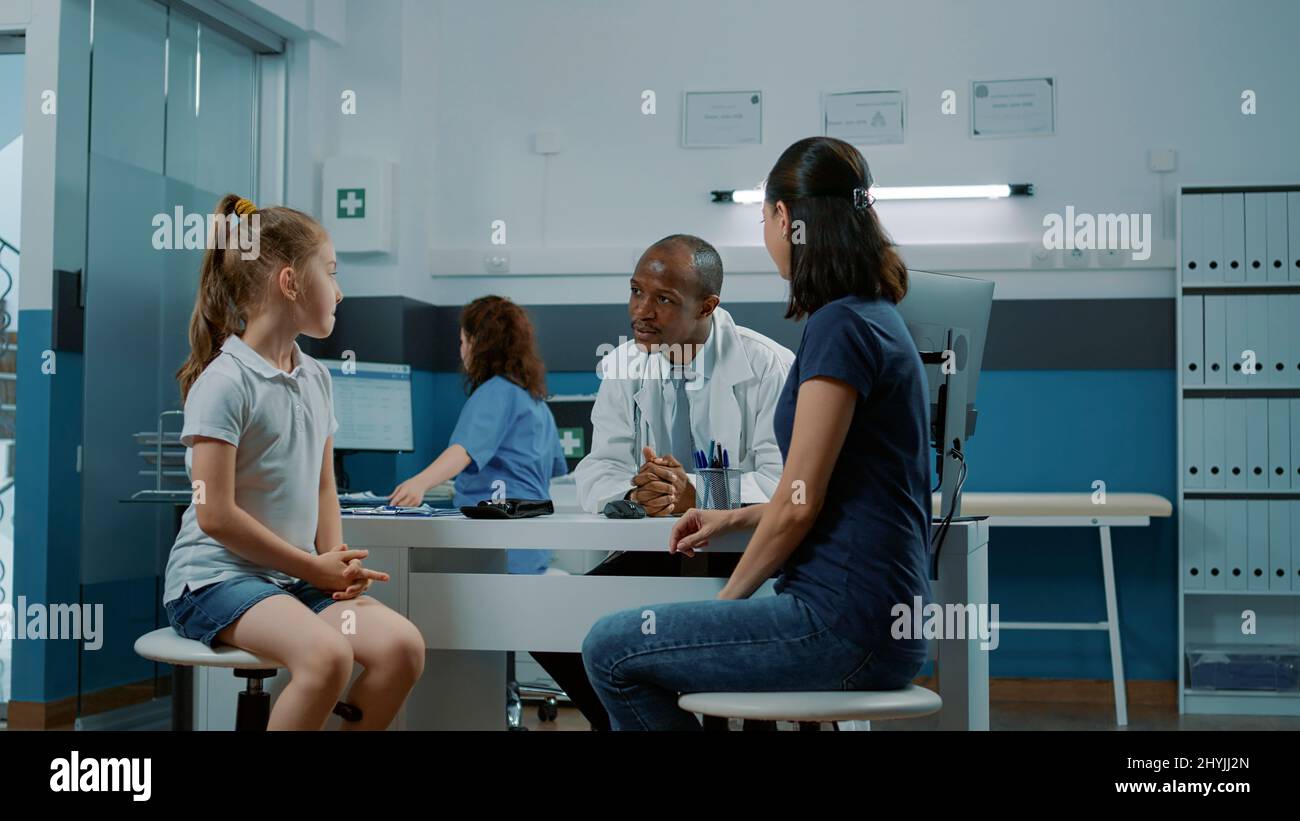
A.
x: 868, y: 549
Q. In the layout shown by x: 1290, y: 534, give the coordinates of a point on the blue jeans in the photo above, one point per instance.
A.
x: 767, y: 644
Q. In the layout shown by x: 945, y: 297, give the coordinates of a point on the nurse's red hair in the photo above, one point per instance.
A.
x: 502, y: 344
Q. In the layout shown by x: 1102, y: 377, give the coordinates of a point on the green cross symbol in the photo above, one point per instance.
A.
x: 351, y: 203
x: 571, y: 439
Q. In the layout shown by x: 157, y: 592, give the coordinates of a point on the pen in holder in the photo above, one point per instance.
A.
x: 719, y: 488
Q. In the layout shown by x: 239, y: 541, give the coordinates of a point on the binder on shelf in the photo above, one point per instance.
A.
x: 1279, y: 544
x: 1190, y: 233
x: 1257, y: 444
x: 1280, y: 327
x: 1234, y: 238
x: 1216, y: 335
x: 1194, y: 544
x: 1277, y: 236
x: 1212, y: 225
x: 1257, y: 339
x: 1279, y: 444
x: 1257, y: 551
x: 1193, y: 443
x: 1193, y: 340
x: 1235, y: 465
x: 1214, y: 443
x: 1256, y: 259
x: 1237, y: 344
x: 1238, y: 535
x: 1294, y: 506
x: 1293, y: 346
x: 1293, y: 235
x: 1295, y: 449
x: 1216, y: 531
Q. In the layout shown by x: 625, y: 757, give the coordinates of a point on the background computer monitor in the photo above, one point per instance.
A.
x: 937, y: 302
x: 573, y: 421
x: 372, y: 401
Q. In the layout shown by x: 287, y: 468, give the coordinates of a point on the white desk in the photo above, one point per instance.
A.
x: 448, y: 578
x: 1075, y: 510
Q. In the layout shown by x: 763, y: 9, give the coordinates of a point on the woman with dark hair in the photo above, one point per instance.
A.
x: 848, y: 526
x: 505, y: 432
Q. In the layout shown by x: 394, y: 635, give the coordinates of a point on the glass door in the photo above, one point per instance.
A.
x: 172, y: 128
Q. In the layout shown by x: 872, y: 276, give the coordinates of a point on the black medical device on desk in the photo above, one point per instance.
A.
x: 509, y: 509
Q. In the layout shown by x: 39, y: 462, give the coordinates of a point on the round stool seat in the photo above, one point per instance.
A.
x: 832, y: 705
x: 167, y: 646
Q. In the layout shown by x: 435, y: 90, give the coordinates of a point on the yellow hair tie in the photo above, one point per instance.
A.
x: 244, y: 207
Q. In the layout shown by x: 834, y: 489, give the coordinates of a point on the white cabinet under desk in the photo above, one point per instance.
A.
x: 470, y: 611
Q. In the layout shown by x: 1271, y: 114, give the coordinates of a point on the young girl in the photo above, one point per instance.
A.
x: 505, y: 432
x: 259, y: 562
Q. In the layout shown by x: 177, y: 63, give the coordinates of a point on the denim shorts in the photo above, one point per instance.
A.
x: 202, y: 614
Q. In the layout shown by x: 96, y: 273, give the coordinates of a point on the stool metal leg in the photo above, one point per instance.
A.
x: 1112, y: 622
x: 182, y: 698
x: 253, y: 711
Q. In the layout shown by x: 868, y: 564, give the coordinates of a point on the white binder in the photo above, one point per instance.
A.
x: 1234, y: 238
x: 1235, y: 466
x: 1295, y: 451
x: 1256, y: 259
x: 1281, y: 325
x: 1214, y: 442
x: 1257, y: 552
x: 1212, y: 250
x: 1257, y: 337
x: 1294, y: 506
x: 1279, y: 544
x: 1191, y: 232
x: 1237, y: 343
x: 1216, y: 534
x: 1193, y: 443
x: 1278, y: 261
x: 1293, y: 235
x: 1193, y: 340
x: 1257, y: 444
x: 1279, y: 444
x: 1216, y: 336
x: 1194, y: 544
x: 1238, y: 535
x: 1293, y: 346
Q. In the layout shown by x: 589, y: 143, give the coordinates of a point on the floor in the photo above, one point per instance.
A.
x: 1024, y: 716
x: 1005, y: 716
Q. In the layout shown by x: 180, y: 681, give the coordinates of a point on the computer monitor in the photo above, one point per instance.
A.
x: 937, y: 302
x: 573, y: 421
x: 372, y: 401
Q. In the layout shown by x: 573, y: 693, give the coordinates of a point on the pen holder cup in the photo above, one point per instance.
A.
x: 719, y: 488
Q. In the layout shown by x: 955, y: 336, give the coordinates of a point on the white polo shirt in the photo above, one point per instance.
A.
x: 278, y: 423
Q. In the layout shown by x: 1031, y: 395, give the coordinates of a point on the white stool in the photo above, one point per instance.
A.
x: 832, y: 705
x: 254, y: 708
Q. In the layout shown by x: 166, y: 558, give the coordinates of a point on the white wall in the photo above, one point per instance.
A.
x: 452, y: 90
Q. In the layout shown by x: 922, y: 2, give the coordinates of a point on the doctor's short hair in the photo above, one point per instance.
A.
x: 501, y: 343
x: 844, y: 250
x: 705, y: 260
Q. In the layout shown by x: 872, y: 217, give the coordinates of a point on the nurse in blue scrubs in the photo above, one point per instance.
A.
x: 505, y: 432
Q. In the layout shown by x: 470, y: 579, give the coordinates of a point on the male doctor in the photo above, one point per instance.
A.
x: 689, y: 376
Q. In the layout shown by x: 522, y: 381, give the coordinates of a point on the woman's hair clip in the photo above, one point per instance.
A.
x: 244, y: 207
x: 862, y: 198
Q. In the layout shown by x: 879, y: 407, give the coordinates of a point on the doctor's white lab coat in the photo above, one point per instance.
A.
x: 746, y: 372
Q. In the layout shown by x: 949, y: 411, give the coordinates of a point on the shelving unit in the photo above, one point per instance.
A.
x: 1238, y: 275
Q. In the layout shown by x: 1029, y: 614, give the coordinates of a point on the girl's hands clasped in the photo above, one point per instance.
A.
x: 340, y: 572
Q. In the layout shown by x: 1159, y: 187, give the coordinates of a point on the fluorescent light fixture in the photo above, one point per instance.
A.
x: 749, y: 196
